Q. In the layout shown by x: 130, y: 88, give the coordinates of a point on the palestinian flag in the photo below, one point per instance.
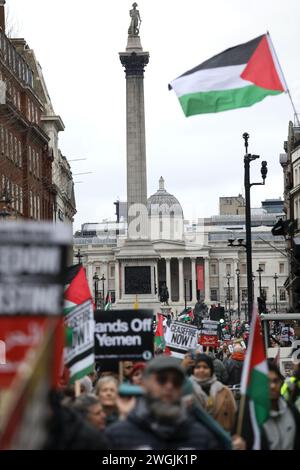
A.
x: 108, y: 302
x: 255, y: 382
x: 159, y: 339
x: 187, y: 315
x: 77, y: 289
x: 236, y: 78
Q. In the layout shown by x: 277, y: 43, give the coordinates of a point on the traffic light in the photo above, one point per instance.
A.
x: 261, y: 305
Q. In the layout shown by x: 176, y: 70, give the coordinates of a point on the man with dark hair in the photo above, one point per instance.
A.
x: 161, y: 419
x: 282, y: 430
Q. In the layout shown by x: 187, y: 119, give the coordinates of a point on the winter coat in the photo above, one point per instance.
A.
x: 282, y: 430
x: 140, y: 431
x: 67, y: 430
x: 220, y: 403
x: 234, y: 369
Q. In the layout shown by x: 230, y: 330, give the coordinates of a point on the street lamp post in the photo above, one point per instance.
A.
x: 259, y: 271
x: 252, y: 283
x: 247, y: 160
x: 103, y: 280
x: 275, y: 279
x: 237, y: 271
x: 96, y: 281
x: 185, y: 294
x: 228, y: 290
x: 79, y: 256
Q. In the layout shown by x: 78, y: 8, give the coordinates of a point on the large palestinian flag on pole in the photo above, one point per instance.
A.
x: 80, y: 324
x: 255, y: 382
x: 237, y: 77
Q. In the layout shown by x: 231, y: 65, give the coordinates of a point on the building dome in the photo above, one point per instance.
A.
x: 163, y: 203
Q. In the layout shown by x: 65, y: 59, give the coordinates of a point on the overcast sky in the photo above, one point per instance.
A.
x: 201, y: 158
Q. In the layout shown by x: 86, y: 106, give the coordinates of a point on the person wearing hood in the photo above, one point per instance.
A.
x: 234, y: 365
x: 161, y: 420
x: 220, y: 402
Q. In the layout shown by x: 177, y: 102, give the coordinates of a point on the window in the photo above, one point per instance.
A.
x: 243, y: 268
x: 244, y: 295
x: 30, y: 204
x: 296, y: 177
x: 16, y: 151
x: 30, y: 158
x: 281, y: 268
x: 262, y: 266
x: 20, y: 154
x: 112, y: 271
x: 214, y: 294
x: 98, y: 269
x: 282, y: 294
x: 2, y: 140
x: 213, y: 269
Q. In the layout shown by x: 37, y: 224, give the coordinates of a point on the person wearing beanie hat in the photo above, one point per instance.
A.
x: 136, y: 375
x: 220, y: 403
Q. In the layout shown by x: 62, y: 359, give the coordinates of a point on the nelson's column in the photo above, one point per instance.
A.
x: 137, y: 276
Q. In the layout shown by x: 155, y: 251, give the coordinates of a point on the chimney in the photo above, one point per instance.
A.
x: 2, y: 15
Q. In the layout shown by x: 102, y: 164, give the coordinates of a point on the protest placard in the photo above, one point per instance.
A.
x: 79, y: 355
x: 124, y: 335
x: 209, y: 333
x: 180, y: 337
x: 33, y: 261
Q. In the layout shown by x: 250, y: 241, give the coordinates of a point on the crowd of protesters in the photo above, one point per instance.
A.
x: 169, y: 403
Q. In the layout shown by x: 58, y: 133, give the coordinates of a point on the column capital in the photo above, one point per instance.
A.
x: 134, y: 63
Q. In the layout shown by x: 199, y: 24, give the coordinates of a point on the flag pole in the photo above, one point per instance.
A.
x: 241, y: 415
x: 282, y: 76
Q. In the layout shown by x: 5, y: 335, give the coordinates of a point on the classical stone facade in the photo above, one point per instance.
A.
x: 290, y: 162
x: 203, y: 252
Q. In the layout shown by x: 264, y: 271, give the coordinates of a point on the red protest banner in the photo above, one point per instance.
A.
x: 209, y: 340
x: 200, y: 277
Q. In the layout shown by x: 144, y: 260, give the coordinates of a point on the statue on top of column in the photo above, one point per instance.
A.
x: 135, y: 24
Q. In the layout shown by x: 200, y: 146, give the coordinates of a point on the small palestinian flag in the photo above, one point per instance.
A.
x: 159, y: 339
x: 108, y: 302
x: 255, y: 384
x: 236, y: 78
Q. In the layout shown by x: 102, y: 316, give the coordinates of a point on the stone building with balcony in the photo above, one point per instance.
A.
x: 35, y: 178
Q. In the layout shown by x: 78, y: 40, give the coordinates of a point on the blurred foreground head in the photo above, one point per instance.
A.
x: 163, y: 379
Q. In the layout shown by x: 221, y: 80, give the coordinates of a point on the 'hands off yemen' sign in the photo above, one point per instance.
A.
x: 125, y: 335
x: 181, y: 337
